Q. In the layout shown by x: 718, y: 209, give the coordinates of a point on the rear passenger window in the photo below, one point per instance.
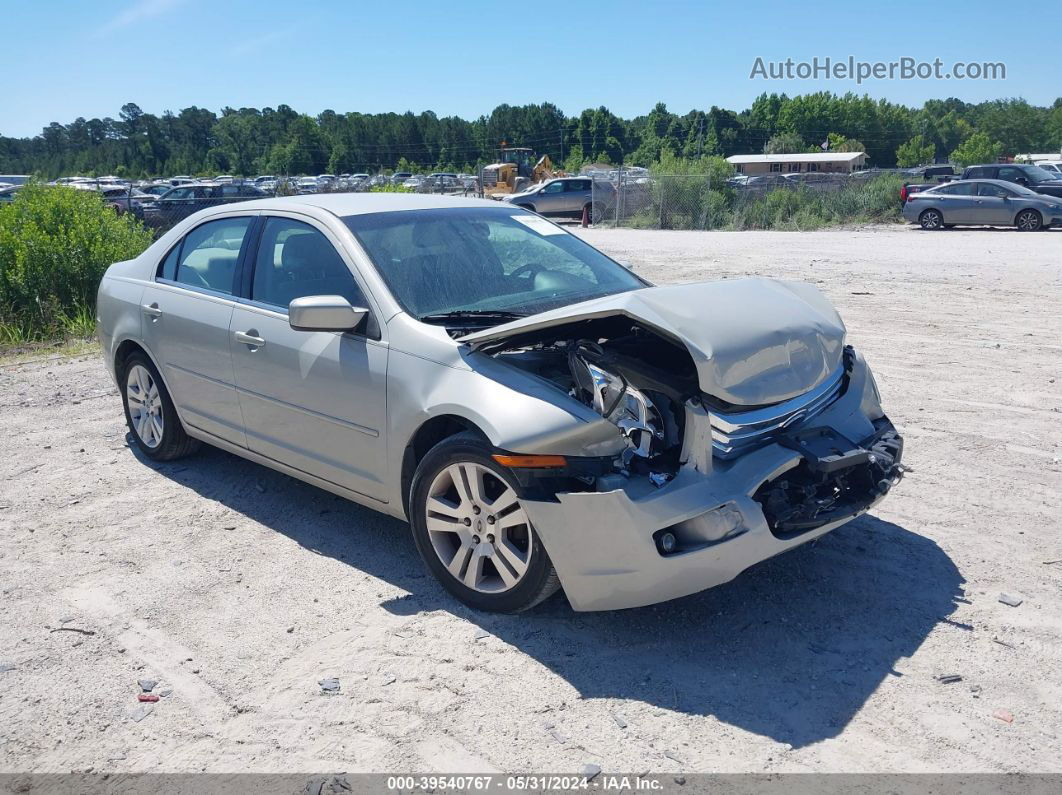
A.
x: 168, y: 266
x: 209, y: 254
x: 295, y: 260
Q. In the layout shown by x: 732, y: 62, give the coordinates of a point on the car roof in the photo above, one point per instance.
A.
x: 344, y: 204
x: 1003, y: 183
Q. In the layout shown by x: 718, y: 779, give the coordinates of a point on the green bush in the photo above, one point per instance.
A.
x: 55, y: 244
x: 390, y: 189
x: 875, y: 201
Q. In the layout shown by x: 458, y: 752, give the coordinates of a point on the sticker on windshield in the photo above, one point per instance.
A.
x: 540, y: 225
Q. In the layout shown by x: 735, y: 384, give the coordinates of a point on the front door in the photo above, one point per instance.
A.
x: 314, y: 400
x: 186, y: 314
x: 550, y: 199
x: 995, y: 204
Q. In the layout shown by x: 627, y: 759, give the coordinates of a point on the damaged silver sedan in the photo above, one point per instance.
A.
x: 540, y: 415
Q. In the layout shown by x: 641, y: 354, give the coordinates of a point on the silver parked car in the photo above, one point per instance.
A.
x: 541, y: 415
x: 565, y: 196
x: 983, y: 202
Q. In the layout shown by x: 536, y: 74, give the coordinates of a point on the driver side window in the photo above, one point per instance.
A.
x: 994, y: 191
x: 296, y: 260
x: 554, y: 187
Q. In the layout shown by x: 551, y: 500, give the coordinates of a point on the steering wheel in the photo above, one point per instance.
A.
x: 528, y: 270
x: 200, y: 280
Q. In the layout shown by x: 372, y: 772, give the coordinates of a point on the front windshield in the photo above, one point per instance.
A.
x: 1021, y: 190
x: 1037, y: 174
x: 479, y: 260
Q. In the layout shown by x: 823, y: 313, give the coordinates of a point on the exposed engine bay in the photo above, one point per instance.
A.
x: 646, y: 384
x: 629, y: 374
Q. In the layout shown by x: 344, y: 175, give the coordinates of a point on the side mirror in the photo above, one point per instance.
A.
x: 1022, y: 181
x: 628, y: 265
x: 324, y: 313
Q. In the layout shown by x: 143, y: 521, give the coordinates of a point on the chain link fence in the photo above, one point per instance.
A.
x: 638, y: 200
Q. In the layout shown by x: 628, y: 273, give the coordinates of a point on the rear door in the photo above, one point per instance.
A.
x: 577, y: 194
x: 186, y: 314
x: 958, y: 202
x: 314, y: 400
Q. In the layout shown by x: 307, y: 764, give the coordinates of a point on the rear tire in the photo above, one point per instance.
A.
x: 931, y: 220
x: 150, y: 413
x: 1029, y: 221
x: 471, y: 530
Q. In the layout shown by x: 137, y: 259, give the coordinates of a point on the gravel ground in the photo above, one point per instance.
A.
x: 238, y: 589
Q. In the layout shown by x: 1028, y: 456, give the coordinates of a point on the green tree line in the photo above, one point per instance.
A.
x: 280, y: 140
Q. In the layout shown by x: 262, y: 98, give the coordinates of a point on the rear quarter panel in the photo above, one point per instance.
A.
x: 118, y: 315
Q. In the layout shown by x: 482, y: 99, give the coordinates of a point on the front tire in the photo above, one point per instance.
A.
x: 150, y: 413
x: 1029, y: 221
x: 931, y: 220
x: 472, y: 532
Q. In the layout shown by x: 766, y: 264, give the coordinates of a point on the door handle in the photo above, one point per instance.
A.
x: 152, y: 309
x: 249, y: 338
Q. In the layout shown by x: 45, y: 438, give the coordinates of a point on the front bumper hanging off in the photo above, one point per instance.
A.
x: 768, y: 501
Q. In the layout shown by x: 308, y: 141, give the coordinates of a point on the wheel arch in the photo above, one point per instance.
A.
x: 126, y: 348
x: 1028, y: 210
x: 933, y: 209
x: 426, y: 436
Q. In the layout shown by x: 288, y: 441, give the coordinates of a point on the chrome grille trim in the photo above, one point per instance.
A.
x: 733, y: 433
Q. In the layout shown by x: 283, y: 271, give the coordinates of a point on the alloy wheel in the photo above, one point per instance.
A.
x: 145, y: 405
x: 478, y: 528
x: 1028, y: 221
x: 931, y: 219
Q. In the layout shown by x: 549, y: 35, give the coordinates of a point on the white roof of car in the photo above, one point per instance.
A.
x: 344, y: 204
x: 806, y: 157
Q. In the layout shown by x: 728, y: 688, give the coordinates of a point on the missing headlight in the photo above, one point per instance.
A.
x: 613, y: 397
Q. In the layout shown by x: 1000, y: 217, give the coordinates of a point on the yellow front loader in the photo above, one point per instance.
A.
x: 517, y: 170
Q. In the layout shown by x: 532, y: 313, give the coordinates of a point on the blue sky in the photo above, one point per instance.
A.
x: 69, y: 59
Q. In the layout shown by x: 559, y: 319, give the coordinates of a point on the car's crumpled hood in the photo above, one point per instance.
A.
x: 753, y: 341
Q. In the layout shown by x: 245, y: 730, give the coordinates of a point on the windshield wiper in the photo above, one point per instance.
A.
x: 475, y: 315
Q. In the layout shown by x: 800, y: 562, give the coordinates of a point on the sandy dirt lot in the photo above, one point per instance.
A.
x: 238, y: 589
